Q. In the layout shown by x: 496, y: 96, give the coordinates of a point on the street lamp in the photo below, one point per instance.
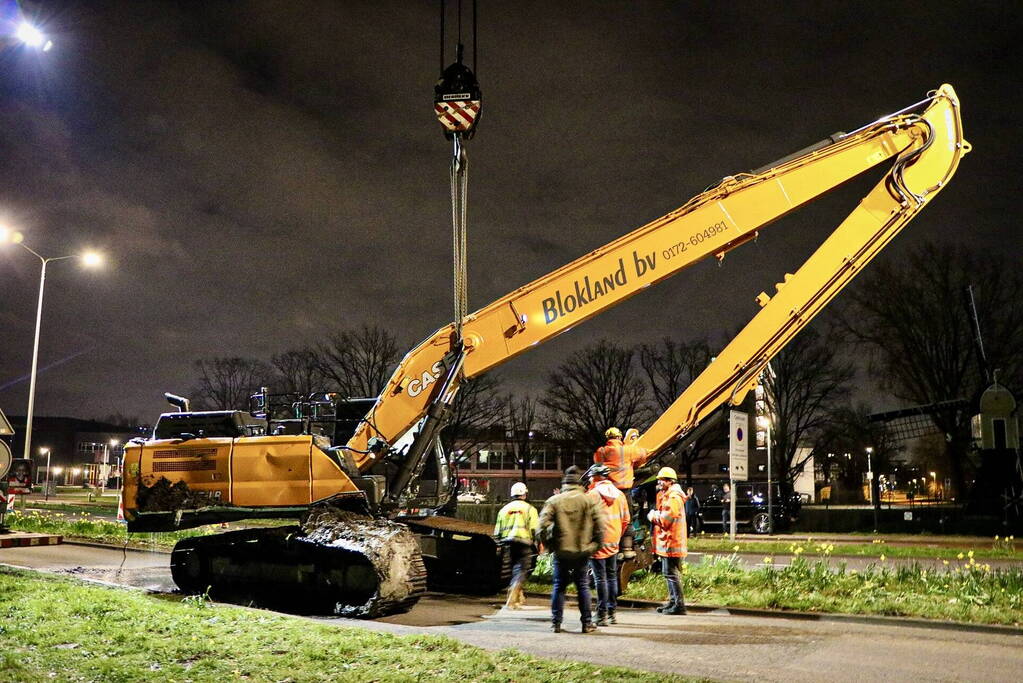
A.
x: 46, y: 489
x: 104, y: 471
x: 870, y: 483
x: 27, y: 34
x: 765, y: 423
x: 89, y: 259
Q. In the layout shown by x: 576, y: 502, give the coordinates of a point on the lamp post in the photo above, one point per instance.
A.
x: 765, y: 422
x: 46, y: 486
x: 89, y: 259
x: 106, y: 462
x: 870, y: 483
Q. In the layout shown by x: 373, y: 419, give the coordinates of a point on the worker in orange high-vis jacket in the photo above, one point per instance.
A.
x: 669, y: 526
x: 621, y: 457
x: 604, y: 562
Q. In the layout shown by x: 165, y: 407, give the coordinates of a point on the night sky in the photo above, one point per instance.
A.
x: 260, y: 172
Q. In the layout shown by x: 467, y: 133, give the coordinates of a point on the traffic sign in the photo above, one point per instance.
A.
x: 5, y: 459
x: 5, y: 426
x: 738, y: 445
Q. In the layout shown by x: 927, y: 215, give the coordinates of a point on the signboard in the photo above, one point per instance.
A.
x: 738, y: 445
x: 5, y: 459
x: 19, y: 479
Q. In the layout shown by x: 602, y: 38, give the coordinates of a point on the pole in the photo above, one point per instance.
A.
x: 731, y: 506
x: 872, y: 479
x: 35, y: 364
x: 46, y: 492
x: 770, y: 487
x: 103, y: 470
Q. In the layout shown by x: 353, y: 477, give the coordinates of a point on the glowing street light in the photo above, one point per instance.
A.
x: 32, y: 37
x: 89, y: 259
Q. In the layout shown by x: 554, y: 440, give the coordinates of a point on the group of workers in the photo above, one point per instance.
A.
x: 587, y: 528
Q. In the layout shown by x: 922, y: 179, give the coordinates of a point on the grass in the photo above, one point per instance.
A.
x: 81, y: 526
x: 967, y: 592
x: 57, y: 629
x: 57, y: 506
x: 996, y: 548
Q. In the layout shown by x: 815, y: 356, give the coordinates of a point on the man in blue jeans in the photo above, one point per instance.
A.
x: 572, y: 528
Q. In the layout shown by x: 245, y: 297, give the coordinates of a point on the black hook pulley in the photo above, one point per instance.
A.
x: 458, y: 99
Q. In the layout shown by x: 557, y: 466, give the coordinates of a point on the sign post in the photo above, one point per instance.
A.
x: 738, y: 458
x: 5, y: 465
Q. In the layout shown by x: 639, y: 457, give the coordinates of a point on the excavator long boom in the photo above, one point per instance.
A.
x: 926, y: 149
x: 922, y: 169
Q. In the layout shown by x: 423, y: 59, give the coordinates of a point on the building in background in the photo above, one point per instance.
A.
x: 81, y: 452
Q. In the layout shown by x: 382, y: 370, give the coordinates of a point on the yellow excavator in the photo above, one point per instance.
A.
x: 367, y: 490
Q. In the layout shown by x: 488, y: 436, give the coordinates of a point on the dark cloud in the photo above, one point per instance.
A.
x: 262, y: 171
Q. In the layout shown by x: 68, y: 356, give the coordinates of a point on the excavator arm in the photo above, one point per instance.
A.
x: 921, y: 170
x: 926, y: 148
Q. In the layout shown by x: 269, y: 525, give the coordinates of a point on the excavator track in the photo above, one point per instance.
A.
x: 336, y: 562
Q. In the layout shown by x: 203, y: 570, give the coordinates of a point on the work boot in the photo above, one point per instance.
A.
x: 515, y: 597
x: 602, y: 619
x: 611, y: 617
x: 675, y: 609
x: 665, y: 606
x: 556, y: 627
x: 589, y: 627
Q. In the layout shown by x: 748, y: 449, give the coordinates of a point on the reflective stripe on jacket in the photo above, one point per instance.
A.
x: 616, y: 510
x: 670, y: 523
x: 517, y: 521
x: 620, y: 459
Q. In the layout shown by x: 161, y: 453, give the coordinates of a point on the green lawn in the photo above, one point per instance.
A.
x: 57, y: 629
x: 80, y: 525
x: 969, y: 591
x: 951, y: 548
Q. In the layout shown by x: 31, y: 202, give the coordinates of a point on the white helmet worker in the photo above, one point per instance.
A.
x: 518, y: 489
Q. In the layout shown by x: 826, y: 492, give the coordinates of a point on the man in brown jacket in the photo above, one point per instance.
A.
x: 572, y: 528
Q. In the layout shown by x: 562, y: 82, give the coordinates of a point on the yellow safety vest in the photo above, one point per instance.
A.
x: 517, y: 521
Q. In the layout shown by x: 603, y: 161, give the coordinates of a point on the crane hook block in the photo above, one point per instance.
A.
x: 457, y: 101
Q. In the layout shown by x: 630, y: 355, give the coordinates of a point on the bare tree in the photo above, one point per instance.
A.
x: 596, y: 388
x: 479, y: 406
x: 359, y: 362
x: 522, y: 422
x: 670, y: 367
x: 120, y: 419
x: 809, y: 382
x: 841, y: 449
x: 227, y: 383
x: 297, y: 371
x: 912, y: 316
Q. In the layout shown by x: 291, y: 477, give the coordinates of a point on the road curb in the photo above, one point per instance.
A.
x: 111, y: 546
x: 872, y: 620
x: 26, y: 539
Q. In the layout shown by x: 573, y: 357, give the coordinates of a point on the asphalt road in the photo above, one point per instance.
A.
x: 714, y: 645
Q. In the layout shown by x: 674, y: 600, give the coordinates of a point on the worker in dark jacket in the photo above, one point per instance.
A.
x: 572, y: 528
x: 692, y: 511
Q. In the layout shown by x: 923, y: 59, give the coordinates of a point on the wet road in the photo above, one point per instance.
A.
x: 715, y: 645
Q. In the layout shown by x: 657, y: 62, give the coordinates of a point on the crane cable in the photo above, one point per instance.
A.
x: 457, y: 103
x: 459, y: 211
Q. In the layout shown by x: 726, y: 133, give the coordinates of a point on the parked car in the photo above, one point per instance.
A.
x: 750, y: 508
x: 471, y: 497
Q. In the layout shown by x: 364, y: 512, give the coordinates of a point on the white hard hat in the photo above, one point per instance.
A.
x: 519, y: 489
